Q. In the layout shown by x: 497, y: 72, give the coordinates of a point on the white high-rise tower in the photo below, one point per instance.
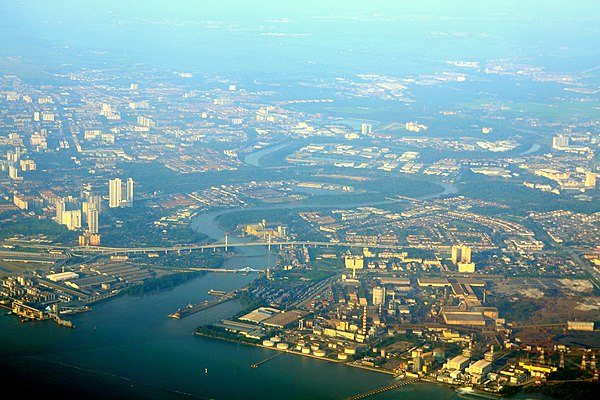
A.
x: 60, y: 209
x: 92, y: 218
x: 114, y: 193
x: 129, y: 198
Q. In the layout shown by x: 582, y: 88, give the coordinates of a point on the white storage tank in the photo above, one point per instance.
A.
x: 319, y: 353
x: 283, y: 346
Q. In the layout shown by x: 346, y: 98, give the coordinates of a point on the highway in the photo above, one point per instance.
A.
x: 27, y: 254
x: 213, y: 246
x: 585, y: 265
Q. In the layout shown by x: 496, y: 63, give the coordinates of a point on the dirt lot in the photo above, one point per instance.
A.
x: 8, y: 268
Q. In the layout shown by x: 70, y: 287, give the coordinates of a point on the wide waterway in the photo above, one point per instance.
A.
x: 127, y: 348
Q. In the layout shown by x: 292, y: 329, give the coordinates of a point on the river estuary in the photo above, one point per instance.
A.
x: 127, y: 348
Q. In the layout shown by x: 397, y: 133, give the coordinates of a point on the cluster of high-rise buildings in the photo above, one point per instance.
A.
x: 115, y: 193
x: 74, y: 217
x: 14, y: 163
x: 77, y: 213
x: 461, y: 257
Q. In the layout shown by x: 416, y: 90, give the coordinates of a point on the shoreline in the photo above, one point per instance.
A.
x: 424, y: 379
x: 289, y: 351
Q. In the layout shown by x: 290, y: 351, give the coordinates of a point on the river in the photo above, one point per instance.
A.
x: 254, y: 158
x: 127, y: 348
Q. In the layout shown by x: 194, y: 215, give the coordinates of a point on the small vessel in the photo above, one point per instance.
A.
x: 206, y: 370
x: 469, y: 393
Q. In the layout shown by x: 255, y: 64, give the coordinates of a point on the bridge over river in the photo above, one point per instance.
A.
x: 225, y: 246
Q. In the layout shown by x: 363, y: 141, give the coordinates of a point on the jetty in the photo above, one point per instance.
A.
x: 194, y: 308
x: 383, y: 389
x: 256, y: 365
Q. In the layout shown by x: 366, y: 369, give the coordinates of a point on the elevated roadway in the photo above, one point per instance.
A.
x: 226, y: 246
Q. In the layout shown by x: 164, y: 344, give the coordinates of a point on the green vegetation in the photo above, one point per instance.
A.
x: 319, y: 262
x: 520, y: 197
x: 35, y: 226
x: 384, y: 184
x: 567, y: 390
x: 570, y: 374
x: 341, y: 199
x: 250, y: 303
x: 311, y: 274
x: 559, y: 111
x: 141, y: 231
x: 183, y: 259
x: 162, y: 283
x: 154, y: 177
x: 220, y: 333
x: 518, y: 310
x: 230, y: 221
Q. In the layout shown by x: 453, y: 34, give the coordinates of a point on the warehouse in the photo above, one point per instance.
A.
x: 467, y: 318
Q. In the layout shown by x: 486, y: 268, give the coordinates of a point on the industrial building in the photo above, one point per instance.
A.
x: 259, y: 315
x: 468, y: 318
x: 62, y: 276
x: 587, y: 326
x: 457, y: 363
x: 479, y: 370
x: 282, y: 320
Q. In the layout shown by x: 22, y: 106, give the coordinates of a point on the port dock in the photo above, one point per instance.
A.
x: 383, y: 389
x: 256, y: 365
x: 194, y: 308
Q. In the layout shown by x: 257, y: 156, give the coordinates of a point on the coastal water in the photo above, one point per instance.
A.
x: 129, y: 348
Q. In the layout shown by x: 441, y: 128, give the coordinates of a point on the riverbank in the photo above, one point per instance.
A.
x: 289, y: 351
x: 129, y: 348
x: 462, y: 392
x: 465, y: 390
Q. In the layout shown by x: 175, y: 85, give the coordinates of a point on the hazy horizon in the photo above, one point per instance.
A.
x: 308, y: 39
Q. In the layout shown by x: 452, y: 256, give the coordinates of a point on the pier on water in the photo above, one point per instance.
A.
x: 256, y: 365
x: 383, y: 389
x: 192, y: 309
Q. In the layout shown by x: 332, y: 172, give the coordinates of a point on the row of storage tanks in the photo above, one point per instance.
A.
x: 313, y: 349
